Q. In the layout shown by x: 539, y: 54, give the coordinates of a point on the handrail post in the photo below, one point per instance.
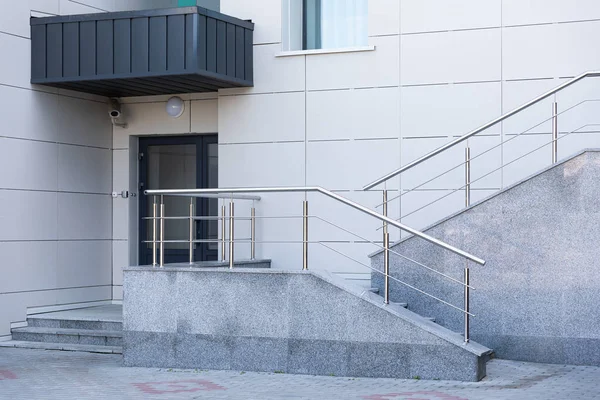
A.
x: 231, y: 234
x: 554, y: 132
x: 467, y: 176
x: 154, y: 232
x: 191, y: 230
x: 386, y: 251
x: 467, y: 302
x: 305, y: 235
x: 162, y: 232
x: 253, y: 233
x: 223, y: 229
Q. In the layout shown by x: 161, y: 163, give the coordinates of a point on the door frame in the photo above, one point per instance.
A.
x: 202, y: 252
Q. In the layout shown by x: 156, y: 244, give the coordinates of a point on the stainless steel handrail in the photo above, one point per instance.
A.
x: 365, y: 210
x: 218, y: 196
x: 482, y: 128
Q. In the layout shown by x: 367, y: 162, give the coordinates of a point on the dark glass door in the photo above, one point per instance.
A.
x: 179, y: 162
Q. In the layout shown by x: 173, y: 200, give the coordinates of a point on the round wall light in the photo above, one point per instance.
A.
x: 175, y: 107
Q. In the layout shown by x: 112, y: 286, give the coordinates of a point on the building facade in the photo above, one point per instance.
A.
x: 414, y: 75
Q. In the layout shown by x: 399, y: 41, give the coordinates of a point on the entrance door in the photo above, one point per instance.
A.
x: 179, y: 162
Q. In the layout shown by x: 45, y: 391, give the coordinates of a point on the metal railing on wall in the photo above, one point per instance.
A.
x: 243, y: 194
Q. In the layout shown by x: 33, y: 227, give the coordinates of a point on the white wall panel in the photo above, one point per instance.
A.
x: 17, y: 72
x: 485, y: 155
x: 117, y: 292
x: 83, y: 263
x: 273, y: 74
x: 69, y: 7
x: 266, y: 17
x: 425, y: 207
x: 261, y: 118
x: 28, y: 114
x: 28, y: 164
x: 349, y: 164
x: 444, y: 15
x: 84, y: 169
x: 352, y: 114
x: 444, y: 110
x: 45, y: 6
x: 28, y: 215
x: 250, y: 165
x: 356, y: 70
x: 460, y: 56
x: 525, y: 156
x: 120, y: 259
x: 519, y: 12
x: 32, y: 266
x: 205, y: 116
x: 534, y: 119
x: 120, y: 170
x: 360, y: 225
x: 84, y: 216
x: 120, y: 218
x: 14, y: 18
x: 546, y: 51
x: 353, y: 259
x: 384, y: 17
x: 83, y: 122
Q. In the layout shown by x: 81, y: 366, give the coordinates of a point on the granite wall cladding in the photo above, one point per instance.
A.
x: 274, y: 320
x: 537, y: 297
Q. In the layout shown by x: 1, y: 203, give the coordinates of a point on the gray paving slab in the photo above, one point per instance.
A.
x: 38, y: 374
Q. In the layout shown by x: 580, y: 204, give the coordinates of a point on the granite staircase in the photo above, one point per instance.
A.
x: 94, y: 330
x: 536, y: 298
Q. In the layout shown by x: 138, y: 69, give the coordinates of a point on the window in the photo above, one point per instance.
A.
x: 324, y: 24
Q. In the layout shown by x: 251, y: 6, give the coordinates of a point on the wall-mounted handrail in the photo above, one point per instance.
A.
x: 233, y: 191
x: 589, y: 74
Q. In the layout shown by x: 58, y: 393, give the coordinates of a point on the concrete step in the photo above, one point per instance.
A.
x: 95, y: 325
x: 64, y: 335
x: 374, y: 290
x: 90, y: 348
x: 403, y: 305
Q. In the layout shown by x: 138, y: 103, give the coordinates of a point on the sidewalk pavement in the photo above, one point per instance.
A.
x: 41, y: 374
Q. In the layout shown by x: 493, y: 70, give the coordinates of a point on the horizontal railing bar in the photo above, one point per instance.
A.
x: 227, y: 217
x: 334, y: 196
x: 184, y: 241
x: 401, y: 282
x: 481, y: 128
x: 196, y: 218
x: 512, y: 137
x: 215, y: 196
x: 395, y: 252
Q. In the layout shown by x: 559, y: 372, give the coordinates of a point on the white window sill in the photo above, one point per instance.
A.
x: 325, y: 51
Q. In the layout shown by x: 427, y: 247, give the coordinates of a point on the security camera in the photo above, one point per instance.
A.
x: 114, y: 111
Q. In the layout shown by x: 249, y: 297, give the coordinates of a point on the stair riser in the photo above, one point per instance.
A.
x: 73, y: 339
x: 74, y: 324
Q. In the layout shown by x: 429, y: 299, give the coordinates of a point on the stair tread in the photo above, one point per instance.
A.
x: 63, y: 346
x: 68, y: 331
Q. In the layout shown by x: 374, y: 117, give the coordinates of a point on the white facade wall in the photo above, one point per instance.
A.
x: 56, y: 175
x: 440, y: 69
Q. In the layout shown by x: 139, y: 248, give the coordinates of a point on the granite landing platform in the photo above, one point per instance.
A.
x: 298, y: 322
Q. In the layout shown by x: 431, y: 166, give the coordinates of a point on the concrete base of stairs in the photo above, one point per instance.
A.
x: 283, y: 321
